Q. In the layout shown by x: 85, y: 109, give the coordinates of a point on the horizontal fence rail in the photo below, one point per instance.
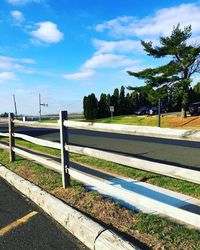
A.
x: 159, y: 168
x: 150, y: 166
x: 4, y: 134
x: 38, y: 141
x: 96, y: 184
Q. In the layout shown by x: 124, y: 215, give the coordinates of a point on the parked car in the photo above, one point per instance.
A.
x: 194, y: 108
x: 153, y: 110
x: 143, y: 111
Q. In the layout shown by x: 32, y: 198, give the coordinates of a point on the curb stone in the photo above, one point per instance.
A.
x: 92, y: 234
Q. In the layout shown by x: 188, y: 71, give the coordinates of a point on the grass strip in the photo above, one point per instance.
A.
x: 173, y: 184
x: 167, y: 121
x: 152, y: 231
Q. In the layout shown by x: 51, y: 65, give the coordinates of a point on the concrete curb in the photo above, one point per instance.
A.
x: 92, y: 234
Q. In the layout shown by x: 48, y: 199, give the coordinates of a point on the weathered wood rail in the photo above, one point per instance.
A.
x: 159, y: 168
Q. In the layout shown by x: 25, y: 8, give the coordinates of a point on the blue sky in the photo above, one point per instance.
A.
x: 66, y: 49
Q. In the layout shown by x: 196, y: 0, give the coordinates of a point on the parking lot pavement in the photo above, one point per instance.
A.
x: 24, y: 226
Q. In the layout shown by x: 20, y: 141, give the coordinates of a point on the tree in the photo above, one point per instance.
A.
x: 197, y: 88
x: 85, y: 106
x: 122, y: 101
x: 184, y: 61
x: 90, y: 105
x: 196, y: 93
x: 131, y: 103
x: 141, y: 95
x: 103, y: 107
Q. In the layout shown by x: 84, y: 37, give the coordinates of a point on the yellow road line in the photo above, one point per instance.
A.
x: 17, y: 223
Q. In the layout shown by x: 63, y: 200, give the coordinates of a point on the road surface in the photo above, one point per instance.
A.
x: 175, y: 152
x: 24, y: 226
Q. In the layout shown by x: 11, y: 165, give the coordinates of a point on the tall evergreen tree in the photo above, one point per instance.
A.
x: 197, y: 88
x: 90, y: 105
x: 184, y: 62
x: 122, y: 101
x: 196, y: 92
x: 85, y: 106
x: 103, y: 107
x: 131, y: 103
x: 141, y: 95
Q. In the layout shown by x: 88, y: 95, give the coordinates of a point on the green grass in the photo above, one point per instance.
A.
x: 153, y: 231
x: 180, y: 186
x: 130, y: 120
x: 167, y: 121
x: 48, y: 121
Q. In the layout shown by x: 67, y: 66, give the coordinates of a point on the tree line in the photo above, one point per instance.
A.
x: 123, y: 104
x: 128, y: 103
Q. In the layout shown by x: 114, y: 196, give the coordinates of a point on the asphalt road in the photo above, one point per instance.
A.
x: 38, y: 232
x: 181, y: 153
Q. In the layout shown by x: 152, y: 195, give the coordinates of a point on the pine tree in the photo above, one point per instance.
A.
x: 103, y: 107
x: 90, y: 105
x: 122, y: 101
x: 184, y: 62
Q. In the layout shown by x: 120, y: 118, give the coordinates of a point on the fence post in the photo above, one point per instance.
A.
x: 64, y: 153
x: 11, y: 136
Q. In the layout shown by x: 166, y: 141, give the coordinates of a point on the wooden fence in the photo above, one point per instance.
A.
x: 159, y: 168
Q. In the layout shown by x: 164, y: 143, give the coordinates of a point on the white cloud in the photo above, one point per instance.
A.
x: 123, y: 46
x: 14, y: 59
x: 161, y: 23
x: 22, y: 65
x: 107, y: 61
x: 100, y: 61
x: 17, y: 16
x: 10, y: 63
x: 47, y: 32
x: 22, y: 2
x: 134, y: 68
x: 7, y: 76
x: 81, y: 75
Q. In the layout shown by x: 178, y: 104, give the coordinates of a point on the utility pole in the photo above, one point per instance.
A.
x: 40, y: 107
x: 159, y: 112
x: 15, y: 105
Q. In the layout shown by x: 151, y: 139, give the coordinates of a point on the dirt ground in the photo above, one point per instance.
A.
x: 190, y: 122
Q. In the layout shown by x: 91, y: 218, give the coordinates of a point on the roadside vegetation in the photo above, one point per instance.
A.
x: 172, y: 120
x: 167, y: 121
x: 149, y: 231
